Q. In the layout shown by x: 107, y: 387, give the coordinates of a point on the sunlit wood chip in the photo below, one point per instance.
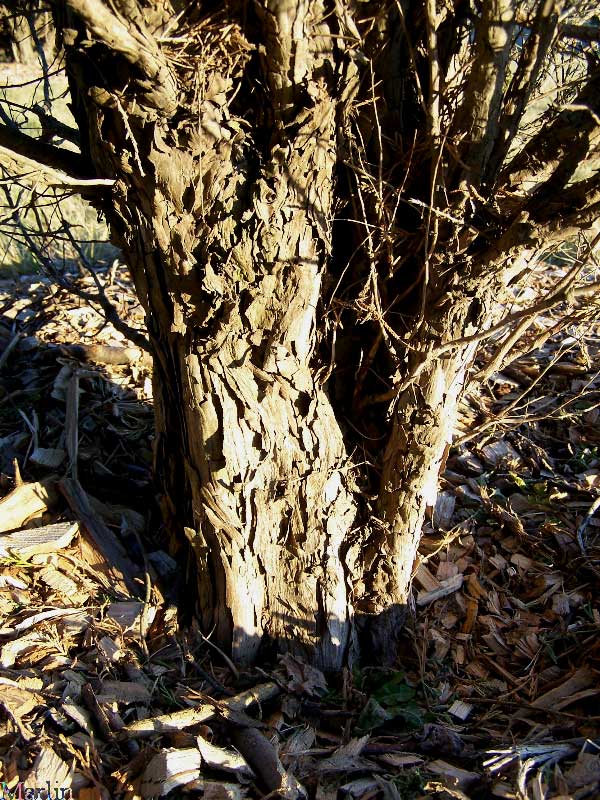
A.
x: 170, y: 769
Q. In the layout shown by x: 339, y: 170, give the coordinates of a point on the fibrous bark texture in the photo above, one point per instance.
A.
x: 322, y: 215
x: 228, y: 251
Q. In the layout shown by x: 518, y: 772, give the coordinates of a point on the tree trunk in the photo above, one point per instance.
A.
x: 266, y: 476
x: 249, y: 455
x: 247, y: 441
x: 233, y: 147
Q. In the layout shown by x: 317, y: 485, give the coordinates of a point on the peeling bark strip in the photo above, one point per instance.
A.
x: 297, y: 451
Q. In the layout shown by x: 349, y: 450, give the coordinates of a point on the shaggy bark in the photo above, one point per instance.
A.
x: 228, y: 257
x: 234, y: 139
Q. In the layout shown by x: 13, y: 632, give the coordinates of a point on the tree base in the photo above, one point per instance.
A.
x: 378, y: 635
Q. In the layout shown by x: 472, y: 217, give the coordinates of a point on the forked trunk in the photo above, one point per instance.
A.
x: 235, y: 137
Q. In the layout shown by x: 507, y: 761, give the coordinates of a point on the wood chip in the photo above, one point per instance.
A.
x: 565, y: 694
x: 170, y: 769
x: 52, y: 613
x: 500, y: 451
x: 180, y: 720
x: 50, y: 457
x: 35, y: 541
x: 424, y: 577
x: 59, y: 582
x: 475, y: 589
x: 447, y: 587
x: 213, y: 790
x: 18, y: 703
x: 402, y: 760
x: 79, y: 715
x: 117, y: 563
x: 123, y: 692
x: 444, y: 510
x: 460, y: 709
x: 105, y: 354
x: 11, y: 651
x: 90, y: 793
x: 128, y: 616
x: 26, y: 502
x: 110, y: 649
x: 453, y: 776
x: 472, y: 609
x: 223, y: 759
x: 49, y: 770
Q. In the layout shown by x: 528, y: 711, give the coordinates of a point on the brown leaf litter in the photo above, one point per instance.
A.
x: 104, y: 694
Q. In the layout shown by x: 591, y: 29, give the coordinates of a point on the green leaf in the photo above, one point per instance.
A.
x: 517, y: 480
x: 395, y: 691
x: 410, y: 713
x: 372, y: 716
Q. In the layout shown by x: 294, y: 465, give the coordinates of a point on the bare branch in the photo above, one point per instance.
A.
x: 584, y: 33
x: 110, y: 312
x: 559, y: 147
x: 569, y: 210
x: 29, y: 171
x: 40, y: 153
x: 54, y: 127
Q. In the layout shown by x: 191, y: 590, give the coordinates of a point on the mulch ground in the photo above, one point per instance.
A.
x: 103, y: 692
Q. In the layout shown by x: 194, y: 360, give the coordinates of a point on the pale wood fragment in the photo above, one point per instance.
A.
x: 565, y: 694
x: 424, y: 577
x: 61, y: 583
x: 453, y: 776
x: 44, y: 616
x: 51, y: 457
x: 50, y: 770
x: 18, y: 703
x: 460, y: 709
x: 129, y: 616
x: 35, y: 541
x: 215, y: 790
x: 447, y: 587
x: 11, y: 651
x: 444, y: 509
x: 170, y: 769
x: 107, y: 354
x: 117, y: 563
x: 27, y: 501
x: 223, y: 759
x: 123, y: 692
